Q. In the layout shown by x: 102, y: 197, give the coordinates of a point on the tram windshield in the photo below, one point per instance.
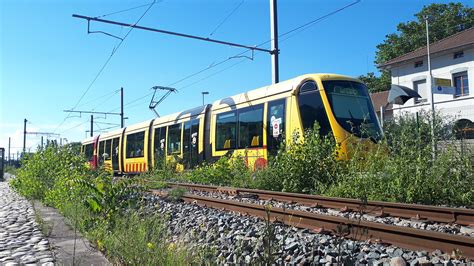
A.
x: 352, y: 107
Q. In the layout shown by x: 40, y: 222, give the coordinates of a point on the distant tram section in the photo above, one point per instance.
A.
x: 250, y: 125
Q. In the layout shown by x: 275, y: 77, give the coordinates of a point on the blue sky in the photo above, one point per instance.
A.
x: 48, y: 60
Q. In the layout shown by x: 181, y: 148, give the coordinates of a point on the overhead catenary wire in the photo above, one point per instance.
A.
x: 226, y: 18
x: 121, y: 11
x: 107, y: 62
x: 295, y: 30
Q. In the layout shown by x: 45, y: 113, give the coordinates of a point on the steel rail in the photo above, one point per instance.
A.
x: 377, y: 208
x: 405, y: 237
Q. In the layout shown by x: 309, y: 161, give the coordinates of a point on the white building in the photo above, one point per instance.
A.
x: 452, y: 65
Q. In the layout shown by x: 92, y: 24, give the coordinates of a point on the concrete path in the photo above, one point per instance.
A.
x: 23, y: 240
x: 68, y: 245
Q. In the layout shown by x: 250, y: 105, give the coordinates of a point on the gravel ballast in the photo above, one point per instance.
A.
x: 397, y: 221
x: 231, y: 238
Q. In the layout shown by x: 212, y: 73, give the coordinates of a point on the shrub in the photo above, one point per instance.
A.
x: 310, y: 166
x: 225, y: 172
x: 409, y: 172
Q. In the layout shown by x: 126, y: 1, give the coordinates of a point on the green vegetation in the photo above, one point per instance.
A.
x: 107, y: 211
x: 10, y: 169
x: 401, y: 169
x: 110, y: 212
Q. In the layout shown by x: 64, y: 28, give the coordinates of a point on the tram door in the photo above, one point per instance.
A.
x: 115, y: 154
x: 190, y: 140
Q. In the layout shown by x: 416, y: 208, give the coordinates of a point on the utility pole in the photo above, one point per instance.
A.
x: 41, y: 142
x: 204, y: 93
x: 274, y: 43
x: 9, y: 144
x: 24, y: 135
x: 92, y: 125
x: 430, y: 85
x: 122, y: 120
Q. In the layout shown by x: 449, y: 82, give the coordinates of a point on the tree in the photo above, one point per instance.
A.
x: 444, y: 19
x: 375, y: 83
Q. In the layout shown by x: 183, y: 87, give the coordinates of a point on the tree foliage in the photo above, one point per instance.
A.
x: 444, y: 20
x: 376, y: 84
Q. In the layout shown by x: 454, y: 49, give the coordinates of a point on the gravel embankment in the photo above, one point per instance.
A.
x: 21, y: 241
x: 233, y: 238
x: 417, y: 224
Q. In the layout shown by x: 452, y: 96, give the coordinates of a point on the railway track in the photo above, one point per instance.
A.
x: 405, y: 237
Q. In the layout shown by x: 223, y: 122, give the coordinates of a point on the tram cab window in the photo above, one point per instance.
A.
x: 251, y: 127
x: 312, y: 108
x: 275, y: 125
x: 174, y: 139
x: 135, y: 145
x: 226, y: 131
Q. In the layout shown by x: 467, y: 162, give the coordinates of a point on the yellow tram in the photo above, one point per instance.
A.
x: 250, y: 125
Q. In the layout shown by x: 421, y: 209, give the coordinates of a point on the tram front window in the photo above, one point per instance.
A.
x: 352, y: 107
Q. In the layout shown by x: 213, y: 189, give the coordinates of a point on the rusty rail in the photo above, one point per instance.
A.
x: 405, y: 237
x: 377, y: 208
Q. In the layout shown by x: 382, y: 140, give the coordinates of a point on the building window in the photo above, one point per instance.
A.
x: 461, y: 83
x: 418, y: 63
x: 420, y: 87
x: 458, y: 54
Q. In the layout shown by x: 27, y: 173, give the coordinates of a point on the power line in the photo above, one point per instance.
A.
x: 107, y: 62
x: 121, y: 11
x: 100, y: 97
x: 295, y: 30
x: 226, y: 18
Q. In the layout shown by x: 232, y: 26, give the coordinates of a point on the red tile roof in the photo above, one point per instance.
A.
x: 380, y: 99
x: 453, y: 42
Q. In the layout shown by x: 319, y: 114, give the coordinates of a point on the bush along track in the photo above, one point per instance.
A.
x: 108, y: 212
x: 401, y: 169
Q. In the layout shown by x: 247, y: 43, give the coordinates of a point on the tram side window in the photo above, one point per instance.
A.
x: 135, y: 145
x: 226, y: 131
x: 251, y: 127
x: 174, y: 139
x: 275, y: 124
x: 108, y: 147
x: 89, y: 152
x: 159, y: 142
x: 312, y: 108
x: 100, y: 151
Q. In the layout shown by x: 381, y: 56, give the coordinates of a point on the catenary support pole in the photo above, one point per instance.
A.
x: 9, y: 145
x: 430, y: 89
x: 274, y: 42
x: 122, y: 120
x: 92, y: 125
x: 24, y: 135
